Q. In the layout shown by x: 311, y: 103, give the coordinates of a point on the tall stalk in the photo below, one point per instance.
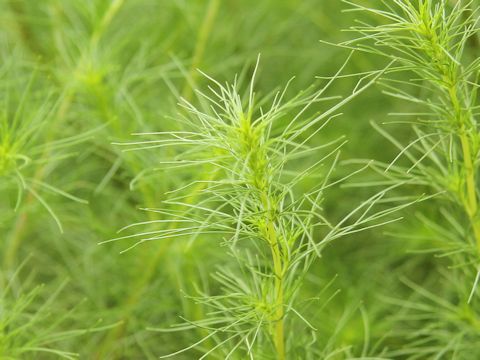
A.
x: 200, y: 45
x: 270, y: 229
x: 429, y: 42
x: 430, y: 38
x: 258, y: 163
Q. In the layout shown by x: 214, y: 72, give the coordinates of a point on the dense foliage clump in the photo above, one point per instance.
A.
x: 239, y: 179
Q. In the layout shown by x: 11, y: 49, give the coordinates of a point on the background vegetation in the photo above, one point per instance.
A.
x: 79, y: 77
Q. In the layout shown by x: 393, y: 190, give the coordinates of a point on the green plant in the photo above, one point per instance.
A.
x: 30, y: 326
x: 432, y: 42
x: 216, y: 175
x: 259, y: 153
x: 25, y: 140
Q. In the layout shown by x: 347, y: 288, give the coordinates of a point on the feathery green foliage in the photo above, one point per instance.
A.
x: 272, y: 230
x: 431, y: 40
x: 242, y: 187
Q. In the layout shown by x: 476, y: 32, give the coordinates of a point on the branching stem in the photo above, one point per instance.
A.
x: 463, y: 120
x: 469, y: 195
x: 273, y: 239
x: 278, y: 333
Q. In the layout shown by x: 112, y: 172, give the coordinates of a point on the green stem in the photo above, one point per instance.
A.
x: 279, y: 337
x: 278, y: 332
x: 463, y: 119
x: 469, y: 196
x: 200, y: 46
x: 471, y: 201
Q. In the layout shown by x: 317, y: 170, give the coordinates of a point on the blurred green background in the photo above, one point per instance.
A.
x: 82, y: 75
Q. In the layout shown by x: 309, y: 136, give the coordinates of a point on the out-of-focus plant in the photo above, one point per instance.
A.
x: 31, y: 327
x: 28, y: 146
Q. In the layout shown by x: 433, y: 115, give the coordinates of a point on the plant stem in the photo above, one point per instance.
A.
x: 257, y: 160
x: 278, y: 266
x: 470, y: 200
x: 200, y: 45
x: 463, y: 119
x: 278, y: 272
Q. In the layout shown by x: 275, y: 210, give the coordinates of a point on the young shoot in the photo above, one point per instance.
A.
x: 258, y: 152
x: 430, y: 41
